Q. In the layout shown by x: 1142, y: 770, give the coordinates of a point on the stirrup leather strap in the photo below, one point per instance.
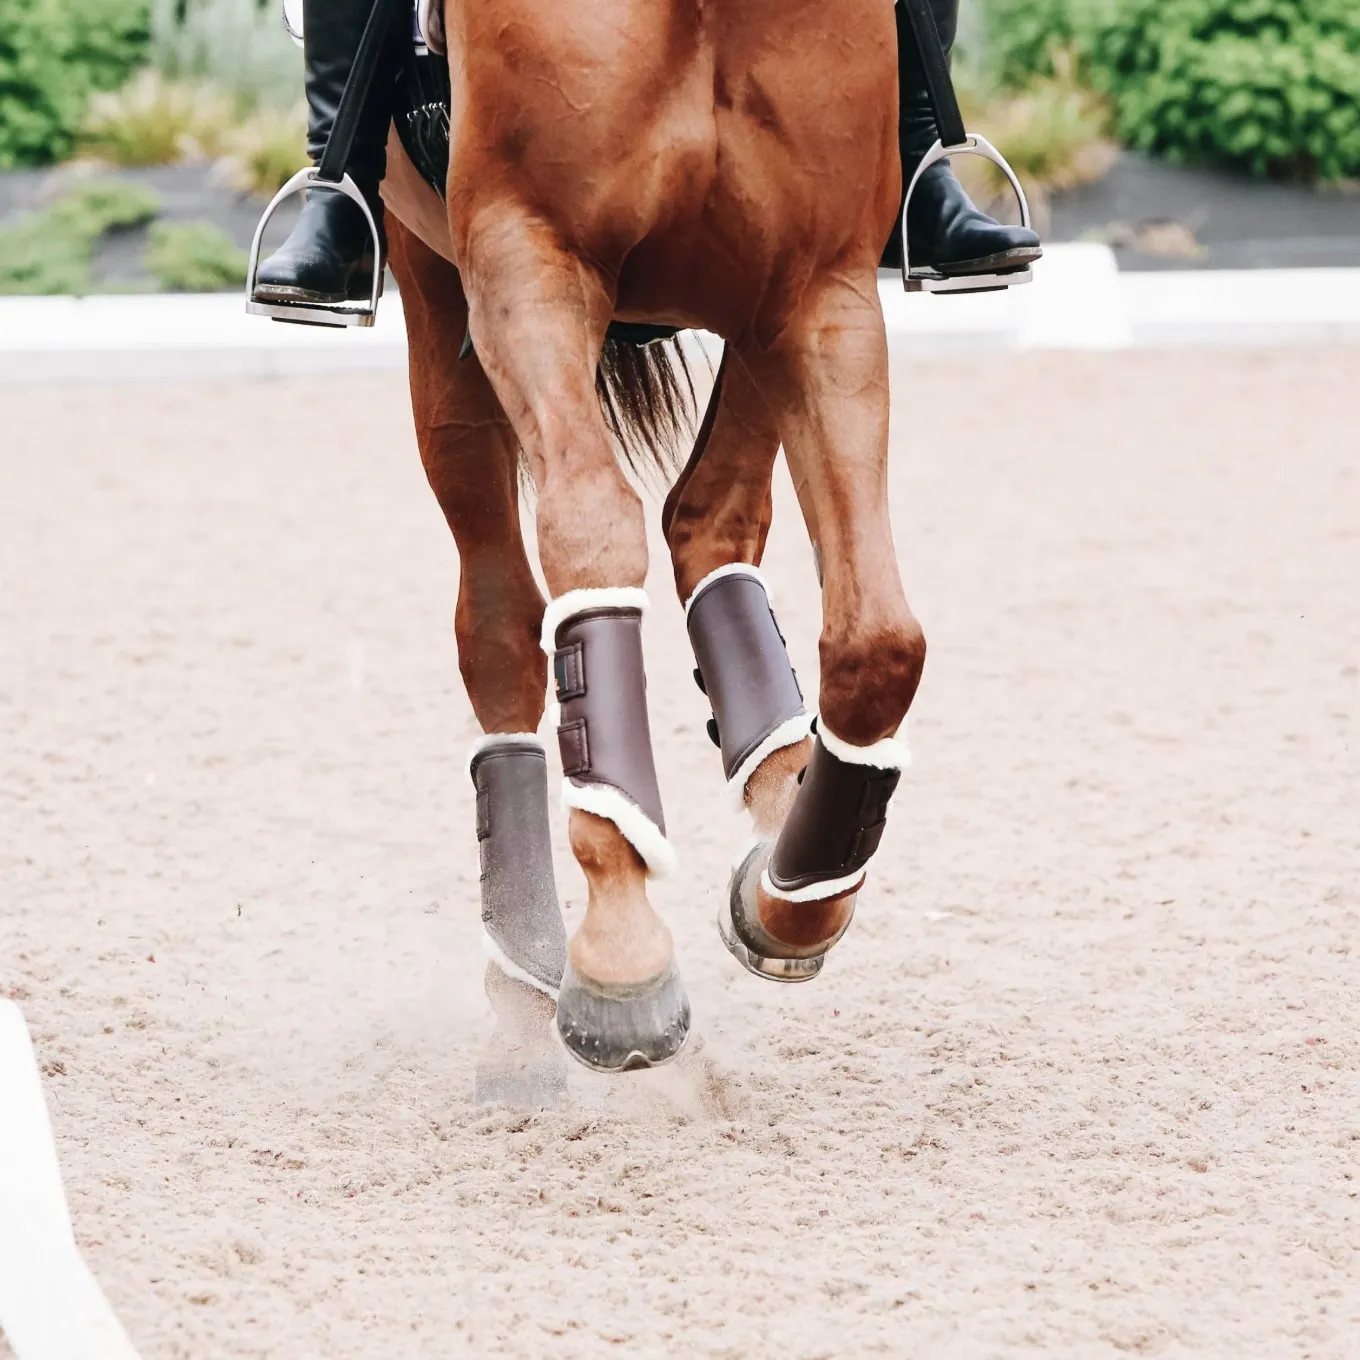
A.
x: 939, y: 83
x: 335, y: 158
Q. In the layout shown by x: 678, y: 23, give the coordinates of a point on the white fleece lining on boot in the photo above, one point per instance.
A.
x: 815, y: 892
x: 892, y: 753
x: 511, y: 969
x: 493, y: 739
x: 636, y: 827
x: 789, y: 733
x: 730, y: 569
x: 578, y: 601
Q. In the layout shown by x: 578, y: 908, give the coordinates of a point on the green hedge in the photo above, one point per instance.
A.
x: 1023, y: 35
x: 53, y: 54
x: 1269, y: 85
x: 52, y: 250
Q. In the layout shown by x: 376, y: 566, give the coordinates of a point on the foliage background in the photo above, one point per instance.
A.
x: 57, y: 55
x: 1270, y: 86
x: 53, y: 55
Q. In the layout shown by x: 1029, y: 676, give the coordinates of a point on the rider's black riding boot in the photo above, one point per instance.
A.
x: 328, y: 258
x: 945, y: 229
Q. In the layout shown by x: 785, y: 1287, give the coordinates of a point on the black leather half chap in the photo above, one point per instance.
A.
x: 743, y: 665
x: 519, y: 893
x: 835, y: 825
x: 604, y: 736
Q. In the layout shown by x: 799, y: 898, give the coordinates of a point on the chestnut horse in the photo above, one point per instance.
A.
x: 730, y: 165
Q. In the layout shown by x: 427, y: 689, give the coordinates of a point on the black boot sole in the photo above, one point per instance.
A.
x: 360, y: 290
x: 1002, y: 262
x: 274, y: 292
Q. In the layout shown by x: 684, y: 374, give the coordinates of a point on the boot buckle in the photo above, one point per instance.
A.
x: 350, y: 313
x: 927, y: 279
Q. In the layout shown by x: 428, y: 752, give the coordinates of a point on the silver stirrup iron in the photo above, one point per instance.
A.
x: 329, y: 174
x: 954, y: 139
x: 360, y: 312
x: 925, y: 278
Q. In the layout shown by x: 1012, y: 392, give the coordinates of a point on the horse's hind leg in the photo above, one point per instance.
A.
x: 716, y: 520
x: 539, y: 317
x: 827, y: 380
x: 470, y: 455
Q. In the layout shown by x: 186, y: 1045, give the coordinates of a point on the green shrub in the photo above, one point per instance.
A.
x: 1270, y: 85
x: 99, y: 205
x: 51, y: 251
x: 155, y: 121
x: 194, y: 257
x: 33, y: 260
x: 1053, y: 133
x: 53, y: 55
x: 1023, y: 37
x: 267, y: 149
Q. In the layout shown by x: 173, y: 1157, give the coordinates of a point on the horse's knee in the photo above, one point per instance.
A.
x: 869, y: 677
x: 592, y: 532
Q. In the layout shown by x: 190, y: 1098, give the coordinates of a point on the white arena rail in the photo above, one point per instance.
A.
x: 1079, y: 301
x: 51, y: 1307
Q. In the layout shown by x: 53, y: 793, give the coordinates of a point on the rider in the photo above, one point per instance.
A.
x: 328, y: 258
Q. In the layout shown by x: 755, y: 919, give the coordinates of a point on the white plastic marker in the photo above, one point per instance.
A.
x: 51, y: 1307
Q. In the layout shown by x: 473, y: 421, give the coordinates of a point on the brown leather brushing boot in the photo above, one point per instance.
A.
x: 525, y: 935
x: 594, y: 637
x: 523, y: 932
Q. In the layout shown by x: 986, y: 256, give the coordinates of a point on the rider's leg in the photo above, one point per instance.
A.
x: 329, y: 257
x: 944, y: 228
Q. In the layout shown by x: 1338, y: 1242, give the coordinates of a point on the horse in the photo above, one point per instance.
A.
x: 729, y: 165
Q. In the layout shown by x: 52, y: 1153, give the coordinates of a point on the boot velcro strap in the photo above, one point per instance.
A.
x: 574, y: 745
x: 569, y: 672
x: 603, y: 733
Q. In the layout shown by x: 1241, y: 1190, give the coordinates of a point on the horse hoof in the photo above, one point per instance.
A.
x: 623, y: 1029
x: 538, y: 1083
x: 763, y: 966
x: 747, y: 940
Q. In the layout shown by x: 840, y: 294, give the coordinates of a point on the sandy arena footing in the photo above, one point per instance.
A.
x: 1080, y: 1082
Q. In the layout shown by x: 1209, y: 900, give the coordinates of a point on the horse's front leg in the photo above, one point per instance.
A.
x: 470, y: 455
x: 539, y: 319
x: 794, y: 895
x: 716, y: 521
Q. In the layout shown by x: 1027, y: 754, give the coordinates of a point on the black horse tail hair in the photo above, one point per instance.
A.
x: 647, y: 398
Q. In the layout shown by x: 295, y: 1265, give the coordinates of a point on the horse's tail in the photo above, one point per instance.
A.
x: 647, y: 397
